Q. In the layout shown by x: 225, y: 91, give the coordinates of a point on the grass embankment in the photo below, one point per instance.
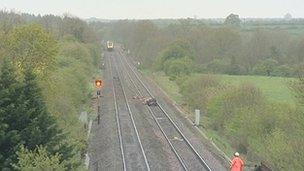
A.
x: 172, y: 89
x: 274, y: 89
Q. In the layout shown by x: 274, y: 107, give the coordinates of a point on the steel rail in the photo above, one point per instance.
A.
x: 117, y: 121
x: 167, y: 115
x: 133, y: 122
x: 158, y: 124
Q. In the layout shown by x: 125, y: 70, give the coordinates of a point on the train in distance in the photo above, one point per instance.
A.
x: 110, y: 45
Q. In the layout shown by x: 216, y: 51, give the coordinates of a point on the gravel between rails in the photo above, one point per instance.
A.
x: 157, y: 150
x: 135, y: 157
x: 214, y: 158
x: 187, y: 155
x: 104, y: 148
x: 205, y: 149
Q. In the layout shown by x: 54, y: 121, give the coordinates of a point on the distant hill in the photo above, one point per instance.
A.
x: 212, y: 21
x: 94, y: 19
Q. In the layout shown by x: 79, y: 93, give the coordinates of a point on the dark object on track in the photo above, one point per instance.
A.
x: 150, y: 102
x: 262, y: 167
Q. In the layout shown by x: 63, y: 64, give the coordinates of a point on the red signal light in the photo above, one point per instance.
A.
x: 98, y: 83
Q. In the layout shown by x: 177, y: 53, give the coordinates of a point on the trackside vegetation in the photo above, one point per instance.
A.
x: 248, y: 81
x: 46, y: 74
x: 241, y: 115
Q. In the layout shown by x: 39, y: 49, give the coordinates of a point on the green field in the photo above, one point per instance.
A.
x: 274, y: 88
x: 295, y: 29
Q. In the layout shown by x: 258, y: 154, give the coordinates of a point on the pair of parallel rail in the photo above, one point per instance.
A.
x: 185, y: 153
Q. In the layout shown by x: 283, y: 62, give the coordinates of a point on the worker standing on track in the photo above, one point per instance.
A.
x: 237, y: 163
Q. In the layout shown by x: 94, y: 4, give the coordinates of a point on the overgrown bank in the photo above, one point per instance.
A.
x: 68, y: 90
x: 63, y: 55
x: 240, y: 117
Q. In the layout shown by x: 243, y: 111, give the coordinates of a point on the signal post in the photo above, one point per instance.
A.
x: 98, y: 85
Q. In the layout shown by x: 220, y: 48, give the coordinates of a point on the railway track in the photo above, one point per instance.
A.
x: 132, y: 151
x: 186, y: 154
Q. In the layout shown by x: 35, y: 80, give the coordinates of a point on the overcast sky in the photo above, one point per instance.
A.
x: 141, y: 9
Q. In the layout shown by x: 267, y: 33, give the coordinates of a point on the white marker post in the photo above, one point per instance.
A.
x: 197, y: 117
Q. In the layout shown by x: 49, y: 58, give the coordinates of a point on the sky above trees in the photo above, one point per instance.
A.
x: 148, y: 9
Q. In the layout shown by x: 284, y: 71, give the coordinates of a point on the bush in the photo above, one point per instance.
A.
x: 178, y: 67
x: 272, y: 150
x: 30, y: 46
x: 38, y: 159
x: 176, y: 50
x: 299, y: 70
x: 266, y: 67
x: 76, y: 65
x: 297, y: 87
x: 257, y: 127
x: 224, y: 106
x: 217, y: 66
x: 283, y: 71
x: 235, y: 69
x: 198, y: 90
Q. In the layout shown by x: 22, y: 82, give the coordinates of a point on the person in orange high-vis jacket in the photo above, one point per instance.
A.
x: 237, y: 163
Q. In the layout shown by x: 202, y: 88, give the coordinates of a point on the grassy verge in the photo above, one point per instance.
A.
x: 274, y: 89
x: 170, y: 87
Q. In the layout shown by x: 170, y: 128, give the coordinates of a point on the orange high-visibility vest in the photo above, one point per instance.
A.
x: 237, y: 164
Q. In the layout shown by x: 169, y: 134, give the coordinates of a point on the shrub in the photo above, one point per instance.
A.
x: 38, y: 159
x: 198, y: 90
x: 283, y: 71
x: 217, y: 66
x: 178, y: 67
x: 177, y: 50
x: 30, y: 46
x: 266, y: 67
x: 232, y: 107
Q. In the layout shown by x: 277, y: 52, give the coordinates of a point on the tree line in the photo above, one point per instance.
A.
x: 47, y: 63
x: 225, y: 49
